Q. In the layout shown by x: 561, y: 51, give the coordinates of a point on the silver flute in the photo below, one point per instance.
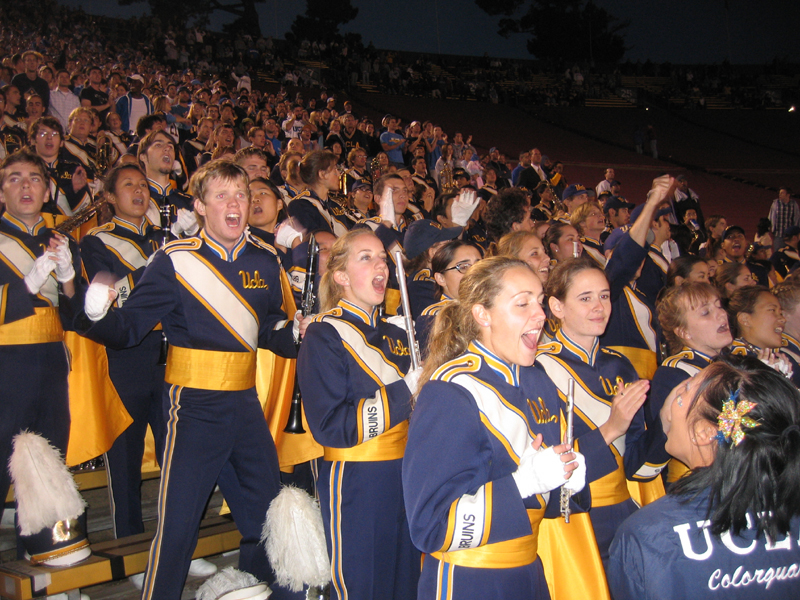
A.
x: 401, y: 282
x: 565, y: 493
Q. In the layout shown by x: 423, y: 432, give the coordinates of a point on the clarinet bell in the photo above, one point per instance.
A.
x: 162, y: 355
x: 295, y: 422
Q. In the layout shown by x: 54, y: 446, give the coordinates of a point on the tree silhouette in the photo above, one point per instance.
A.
x: 561, y: 30
x: 182, y: 13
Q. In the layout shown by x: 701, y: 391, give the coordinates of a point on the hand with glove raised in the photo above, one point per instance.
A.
x: 286, y: 234
x: 185, y: 223
x: 386, y: 206
x: 65, y: 271
x: 42, y: 267
x: 462, y: 207
x: 98, y: 300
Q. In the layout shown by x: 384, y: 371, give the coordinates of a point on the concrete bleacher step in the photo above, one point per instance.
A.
x: 613, y: 102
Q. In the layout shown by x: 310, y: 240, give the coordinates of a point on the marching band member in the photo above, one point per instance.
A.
x: 484, y: 452
x: 562, y: 241
x: 39, y: 293
x: 788, y: 294
x: 588, y: 219
x: 728, y: 528
x: 448, y: 267
x: 609, y: 420
x: 354, y: 376
x: 123, y: 247
x: 757, y: 321
x: 528, y: 247
x: 696, y: 329
x: 218, y: 298
x: 312, y: 208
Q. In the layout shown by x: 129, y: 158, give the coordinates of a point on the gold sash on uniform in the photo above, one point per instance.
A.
x: 390, y: 445
x: 210, y: 370
x: 42, y: 327
x: 500, y: 555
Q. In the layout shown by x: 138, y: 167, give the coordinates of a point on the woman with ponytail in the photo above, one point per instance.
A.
x: 356, y: 380
x: 730, y: 527
x: 484, y: 442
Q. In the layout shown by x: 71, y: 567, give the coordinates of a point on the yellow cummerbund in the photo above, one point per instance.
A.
x: 42, y: 327
x: 675, y: 470
x: 501, y: 555
x: 390, y: 445
x: 209, y: 370
x: 644, y: 361
x: 611, y: 489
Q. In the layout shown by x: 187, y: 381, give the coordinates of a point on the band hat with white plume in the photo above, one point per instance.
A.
x: 50, y: 511
x: 232, y: 584
x: 294, y: 537
x: 44, y: 488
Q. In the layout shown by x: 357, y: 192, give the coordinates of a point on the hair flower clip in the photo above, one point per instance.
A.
x: 733, y: 417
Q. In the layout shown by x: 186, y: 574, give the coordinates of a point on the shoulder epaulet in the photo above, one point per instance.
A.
x: 611, y: 352
x: 738, y: 348
x: 434, y: 309
x: 549, y: 348
x: 423, y: 275
x: 320, y: 317
x: 672, y: 361
x: 101, y: 228
x: 466, y: 363
x: 371, y: 220
x: 259, y: 243
x: 192, y: 243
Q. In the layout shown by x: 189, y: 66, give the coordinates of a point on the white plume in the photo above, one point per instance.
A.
x: 227, y: 580
x: 294, y: 537
x: 43, y: 486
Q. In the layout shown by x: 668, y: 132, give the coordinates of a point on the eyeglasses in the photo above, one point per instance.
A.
x: 48, y: 134
x: 461, y: 267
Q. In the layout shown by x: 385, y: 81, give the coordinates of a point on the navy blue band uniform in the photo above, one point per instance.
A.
x: 351, y: 367
x: 34, y: 362
x: 673, y: 370
x: 633, y: 328
x: 600, y: 374
x: 122, y: 248
x: 471, y: 424
x: 790, y: 347
x: 216, y: 307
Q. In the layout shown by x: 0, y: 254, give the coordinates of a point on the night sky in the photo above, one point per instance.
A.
x: 678, y: 31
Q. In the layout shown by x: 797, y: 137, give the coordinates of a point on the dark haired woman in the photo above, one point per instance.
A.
x: 484, y: 442
x: 313, y: 208
x: 449, y: 265
x: 609, y: 419
x: 690, y: 268
x: 123, y: 247
x: 730, y: 527
x: 562, y: 241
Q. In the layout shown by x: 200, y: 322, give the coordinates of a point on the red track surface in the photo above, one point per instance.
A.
x: 587, y: 140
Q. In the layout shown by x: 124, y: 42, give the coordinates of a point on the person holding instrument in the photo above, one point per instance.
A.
x: 122, y: 247
x: 609, y: 419
x: 356, y: 384
x: 218, y: 298
x: 730, y: 527
x: 484, y: 447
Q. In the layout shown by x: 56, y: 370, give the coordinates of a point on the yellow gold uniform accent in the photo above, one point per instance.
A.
x: 644, y: 361
x: 500, y: 555
x: 209, y: 370
x: 42, y: 327
x: 390, y: 445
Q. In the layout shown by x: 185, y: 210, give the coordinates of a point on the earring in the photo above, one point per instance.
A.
x: 679, y: 400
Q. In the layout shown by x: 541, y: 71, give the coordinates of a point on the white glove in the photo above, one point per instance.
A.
x: 397, y: 321
x: 412, y: 379
x: 298, y: 316
x: 37, y: 276
x: 64, y: 270
x: 386, y: 205
x: 539, y: 472
x: 186, y: 223
x: 578, y: 480
x: 778, y: 361
x: 463, y: 207
x: 286, y: 235
x: 98, y: 300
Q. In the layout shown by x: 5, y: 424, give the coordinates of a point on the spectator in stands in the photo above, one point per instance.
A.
x: 62, y: 100
x: 531, y: 176
x: 783, y: 213
x: 685, y: 199
x: 134, y: 105
x: 786, y: 258
x: 605, y: 185
x: 294, y: 122
x: 524, y: 163
x: 95, y: 94
x: 392, y: 142
x: 352, y: 137
x: 34, y: 108
x: 29, y: 79
x: 462, y: 151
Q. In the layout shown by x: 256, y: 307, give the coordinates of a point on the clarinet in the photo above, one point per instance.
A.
x: 565, y: 493
x: 295, y: 423
x: 413, y: 347
x: 166, y: 216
